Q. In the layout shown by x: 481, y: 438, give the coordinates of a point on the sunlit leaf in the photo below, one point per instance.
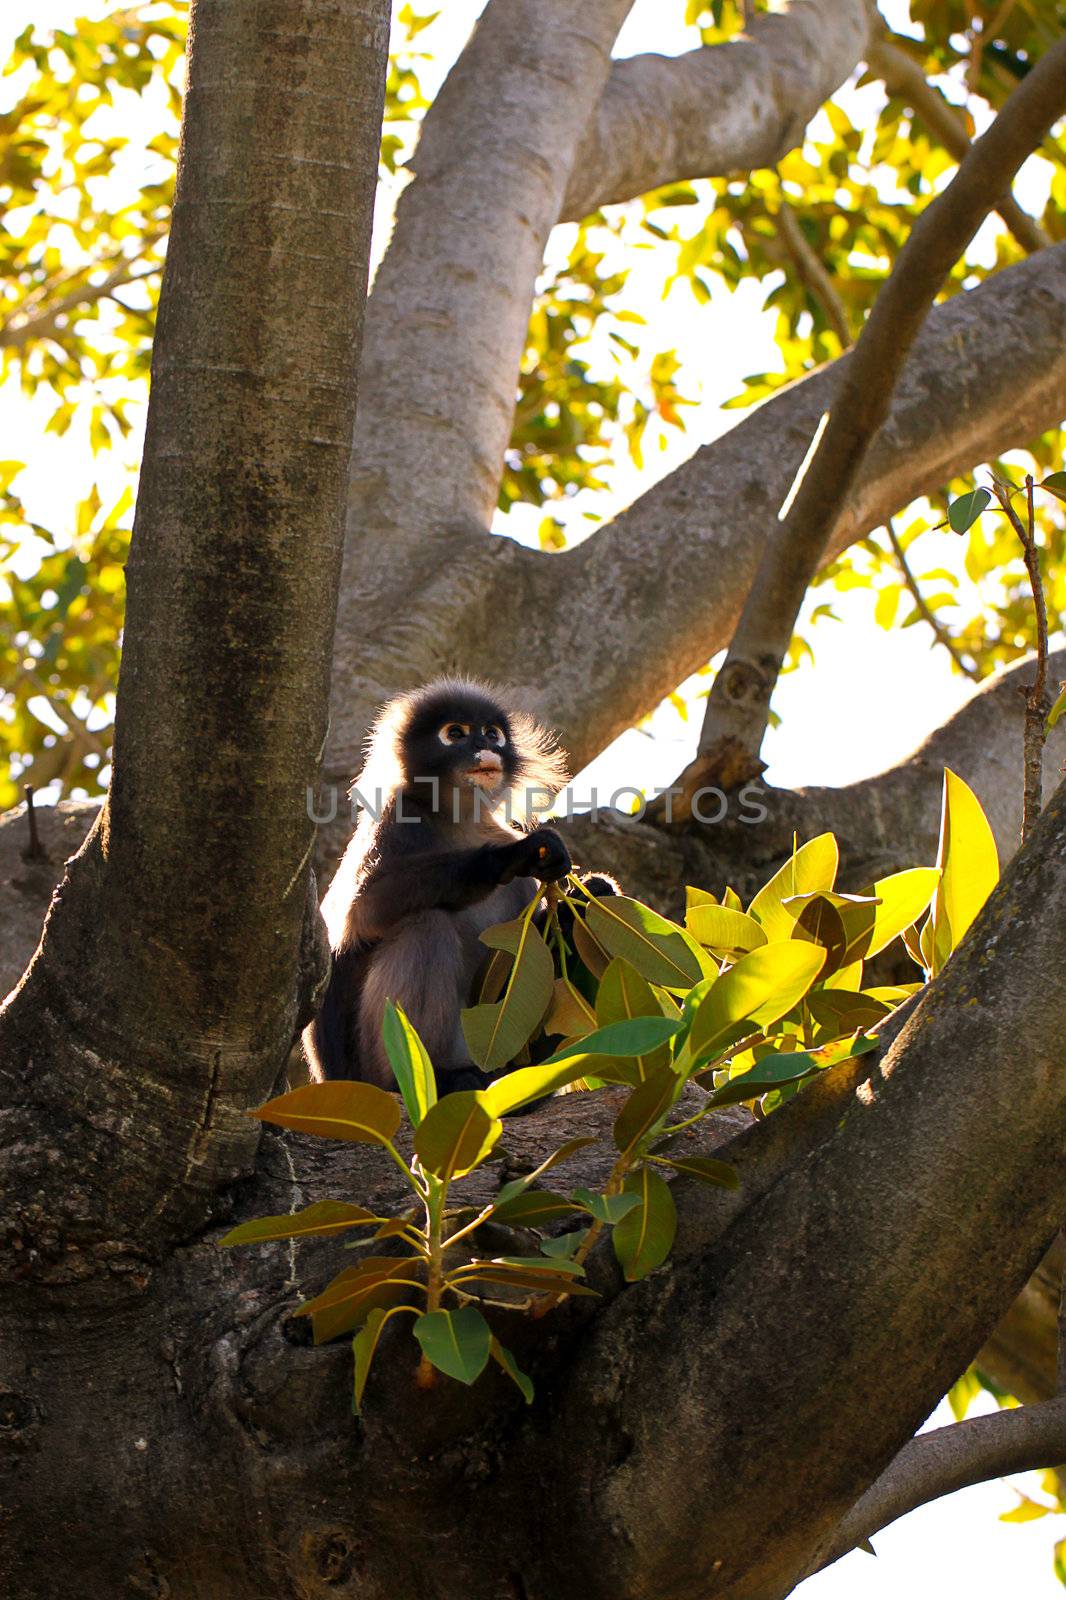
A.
x: 661, y: 951
x: 969, y: 867
x: 340, y: 1109
x: 411, y: 1065
x: 812, y: 867
x: 762, y: 986
x: 457, y: 1133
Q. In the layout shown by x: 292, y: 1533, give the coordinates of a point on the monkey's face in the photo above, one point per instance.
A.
x: 463, y: 743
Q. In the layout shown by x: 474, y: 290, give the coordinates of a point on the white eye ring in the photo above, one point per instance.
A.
x: 452, y: 732
x: 492, y: 731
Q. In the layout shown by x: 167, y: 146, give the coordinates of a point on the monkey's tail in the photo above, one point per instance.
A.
x: 329, y: 1042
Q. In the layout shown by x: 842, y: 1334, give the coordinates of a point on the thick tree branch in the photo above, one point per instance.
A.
x: 156, y: 1002
x: 738, y: 705
x: 903, y: 76
x: 947, y: 1156
x: 715, y: 111
x: 988, y: 372
x: 1025, y: 1439
x: 447, y: 323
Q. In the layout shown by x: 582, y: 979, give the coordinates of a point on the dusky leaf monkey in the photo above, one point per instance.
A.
x: 433, y: 862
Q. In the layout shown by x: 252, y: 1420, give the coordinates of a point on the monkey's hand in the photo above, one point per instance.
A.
x: 540, y: 854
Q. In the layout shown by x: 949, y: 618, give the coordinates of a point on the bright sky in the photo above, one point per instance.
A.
x: 870, y: 699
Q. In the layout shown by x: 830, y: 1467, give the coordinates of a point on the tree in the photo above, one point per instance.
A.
x: 129, y: 1057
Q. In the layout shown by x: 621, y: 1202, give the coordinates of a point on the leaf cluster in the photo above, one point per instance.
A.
x: 746, y: 1003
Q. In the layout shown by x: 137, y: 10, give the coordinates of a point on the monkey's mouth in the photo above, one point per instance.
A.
x: 487, y: 774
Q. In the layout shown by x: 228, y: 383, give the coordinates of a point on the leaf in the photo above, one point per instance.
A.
x: 531, y: 1272
x: 769, y: 1073
x: 496, y: 1033
x: 609, y: 1208
x: 457, y: 1343
x: 660, y: 950
x: 364, y: 1345
x: 705, y: 1168
x: 903, y: 897
x: 969, y: 866
x: 457, y: 1133
x: 643, y: 1238
x: 1055, y: 483
x: 820, y: 922
x: 533, y: 1207
x: 964, y: 512
x: 634, y: 1037
x: 762, y: 986
x: 340, y: 1109
x: 569, y: 1013
x: 411, y: 1065
x: 353, y: 1293
x: 623, y: 994
x: 323, y: 1218
x: 506, y: 1360
x: 564, y: 1245
x: 646, y: 1107
x: 1060, y: 704
x: 813, y: 866
x: 723, y: 929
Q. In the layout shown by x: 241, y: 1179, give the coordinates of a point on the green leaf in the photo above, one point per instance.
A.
x: 411, y: 1065
x: 528, y: 1272
x: 634, y: 1038
x: 609, y: 1208
x: 762, y: 986
x: 364, y: 1345
x: 705, y: 1168
x: 624, y: 994
x: 322, y: 1218
x: 457, y: 1133
x: 813, y: 866
x: 353, y: 1293
x: 496, y: 1033
x: 659, y: 950
x: 1055, y: 483
x: 964, y: 512
x: 338, y: 1110
x: 506, y: 1360
x: 533, y: 1207
x: 457, y: 1343
x: 723, y: 929
x: 643, y: 1238
x: 646, y: 1107
x: 769, y: 1073
x: 969, y: 867
x: 564, y: 1245
x: 1060, y: 704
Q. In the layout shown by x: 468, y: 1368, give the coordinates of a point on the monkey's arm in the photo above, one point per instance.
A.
x: 448, y: 880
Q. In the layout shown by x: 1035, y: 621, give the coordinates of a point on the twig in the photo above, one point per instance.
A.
x: 739, y: 701
x: 977, y: 43
x: 902, y: 76
x: 812, y: 272
x: 35, y: 851
x: 1036, y: 699
x: 943, y: 637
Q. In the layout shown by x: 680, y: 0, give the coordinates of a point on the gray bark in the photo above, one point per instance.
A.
x: 988, y: 372
x: 716, y: 111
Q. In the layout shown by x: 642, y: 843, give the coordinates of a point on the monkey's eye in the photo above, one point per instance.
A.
x: 494, y: 733
x: 452, y: 732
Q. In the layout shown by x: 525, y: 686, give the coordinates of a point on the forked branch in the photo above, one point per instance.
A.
x: 738, y: 706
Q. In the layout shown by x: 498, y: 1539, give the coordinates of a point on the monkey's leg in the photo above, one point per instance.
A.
x: 423, y: 967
